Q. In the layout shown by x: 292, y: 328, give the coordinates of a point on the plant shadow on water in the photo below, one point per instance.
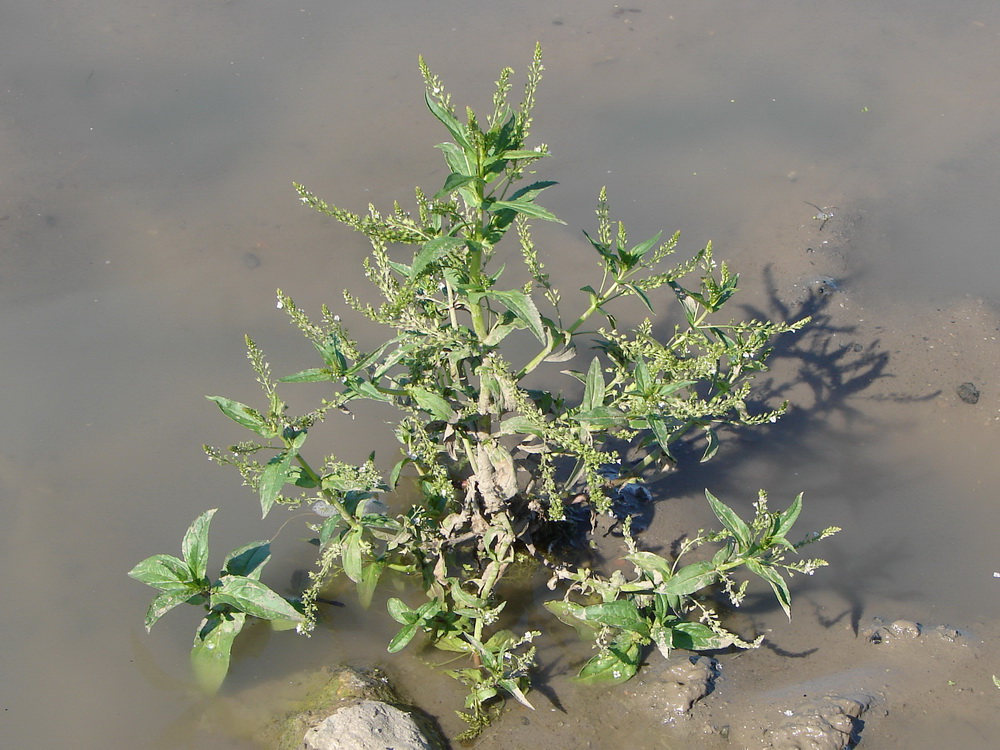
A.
x: 824, y: 380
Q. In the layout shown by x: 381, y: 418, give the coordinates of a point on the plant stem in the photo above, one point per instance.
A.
x: 547, y: 350
x: 329, y: 496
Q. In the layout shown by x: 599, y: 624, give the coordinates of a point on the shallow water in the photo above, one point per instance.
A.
x: 146, y: 217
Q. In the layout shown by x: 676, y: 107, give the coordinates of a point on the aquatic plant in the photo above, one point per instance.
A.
x: 502, y: 472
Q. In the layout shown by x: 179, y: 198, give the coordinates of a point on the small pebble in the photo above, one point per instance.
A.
x: 968, y: 393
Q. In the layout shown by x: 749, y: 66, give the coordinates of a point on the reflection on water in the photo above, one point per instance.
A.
x: 146, y: 217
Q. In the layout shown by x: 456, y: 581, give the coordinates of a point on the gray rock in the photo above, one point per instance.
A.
x: 368, y: 725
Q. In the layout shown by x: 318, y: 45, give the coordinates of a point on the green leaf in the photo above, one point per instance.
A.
x: 368, y: 359
x: 448, y: 120
x: 733, y: 523
x: 243, y: 415
x: 432, y: 251
x: 690, y: 578
x: 167, y: 600
x: 358, y: 388
x: 665, y: 389
x: 663, y: 637
x: 777, y: 583
x: 528, y: 209
x: 571, y: 614
x: 562, y: 355
x: 164, y: 572
x: 593, y: 394
x: 351, y: 554
x: 254, y: 598
x: 455, y: 181
x: 458, y: 159
x: 279, y: 626
x: 522, y: 201
x: 621, y: 614
x: 401, y: 268
x: 520, y: 425
x: 787, y: 519
x: 399, y: 611
x: 695, y: 636
x: 601, y: 416
x: 453, y: 641
x: 522, y: 154
x: 524, y: 308
x: 466, y: 600
x: 396, y: 471
x: 311, y: 375
x: 371, y: 572
x: 247, y: 560
x: 592, y: 294
x: 298, y: 477
x: 405, y: 349
x: 643, y: 297
x: 514, y: 689
x: 195, y: 545
x: 433, y: 403
x: 616, y: 664
x: 602, y: 250
x: 501, y: 640
x: 660, y: 432
x: 713, y: 444
x: 402, y: 638
x: 413, y: 620
x: 649, y: 562
x: 332, y: 353
x: 690, y: 301
x: 330, y: 525
x: 531, y: 191
x: 644, y: 247
x: 503, y: 327
x: 213, y: 646
x: 641, y: 375
x: 272, y: 480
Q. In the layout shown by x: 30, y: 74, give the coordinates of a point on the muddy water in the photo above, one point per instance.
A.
x: 146, y: 217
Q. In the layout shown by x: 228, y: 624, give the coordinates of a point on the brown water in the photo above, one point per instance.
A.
x: 146, y: 216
